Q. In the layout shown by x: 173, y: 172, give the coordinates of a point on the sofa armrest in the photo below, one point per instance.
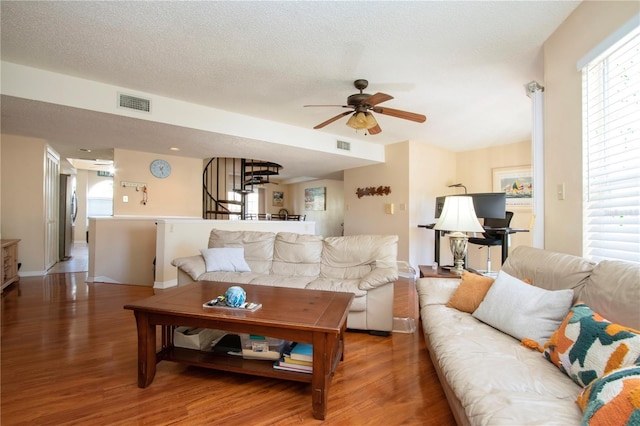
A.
x: 194, y: 266
x: 436, y: 291
x: 378, y: 277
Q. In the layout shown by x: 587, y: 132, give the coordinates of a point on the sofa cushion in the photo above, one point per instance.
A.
x: 299, y: 281
x: 613, y: 399
x: 230, y: 259
x: 258, y: 246
x: 522, y: 310
x: 613, y: 290
x: 353, y: 257
x: 586, y: 346
x: 470, y: 292
x: 548, y: 270
x: 228, y: 277
x: 346, y: 286
x: 297, y: 254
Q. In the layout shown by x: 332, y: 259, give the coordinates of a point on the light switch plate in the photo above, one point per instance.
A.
x: 560, y: 191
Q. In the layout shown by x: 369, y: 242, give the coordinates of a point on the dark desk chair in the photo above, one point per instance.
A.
x: 493, y: 237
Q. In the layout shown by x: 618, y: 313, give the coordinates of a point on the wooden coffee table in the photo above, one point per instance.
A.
x: 301, y: 315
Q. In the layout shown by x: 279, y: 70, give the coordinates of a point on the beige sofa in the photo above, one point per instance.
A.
x: 488, y: 377
x: 364, y: 265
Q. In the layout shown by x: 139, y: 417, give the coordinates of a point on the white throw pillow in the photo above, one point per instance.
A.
x: 522, y: 310
x: 228, y: 259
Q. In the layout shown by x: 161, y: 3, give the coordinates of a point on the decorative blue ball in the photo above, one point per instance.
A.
x: 235, y: 296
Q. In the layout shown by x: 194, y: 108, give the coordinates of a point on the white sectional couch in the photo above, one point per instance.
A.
x: 364, y: 265
x: 489, y: 378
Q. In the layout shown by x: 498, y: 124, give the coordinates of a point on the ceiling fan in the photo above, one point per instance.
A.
x: 362, y: 106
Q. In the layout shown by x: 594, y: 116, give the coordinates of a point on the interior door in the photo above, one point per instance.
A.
x: 52, y: 188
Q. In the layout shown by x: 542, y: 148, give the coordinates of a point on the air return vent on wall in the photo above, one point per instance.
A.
x: 134, y: 102
x: 343, y: 145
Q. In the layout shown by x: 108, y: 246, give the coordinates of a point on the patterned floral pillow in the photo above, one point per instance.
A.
x: 587, y: 346
x: 613, y: 399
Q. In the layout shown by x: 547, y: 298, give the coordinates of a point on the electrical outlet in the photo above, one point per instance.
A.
x: 388, y: 208
x: 125, y: 198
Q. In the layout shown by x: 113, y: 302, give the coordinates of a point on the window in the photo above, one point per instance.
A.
x: 611, y: 147
x: 100, y: 199
x: 251, y: 203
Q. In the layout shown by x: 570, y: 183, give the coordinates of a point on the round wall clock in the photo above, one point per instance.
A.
x: 160, y: 169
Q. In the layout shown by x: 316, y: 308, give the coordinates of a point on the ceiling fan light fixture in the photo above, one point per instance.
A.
x: 370, y: 120
x: 362, y: 121
x: 353, y: 122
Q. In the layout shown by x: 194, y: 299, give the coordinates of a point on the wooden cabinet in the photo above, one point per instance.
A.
x: 9, y: 262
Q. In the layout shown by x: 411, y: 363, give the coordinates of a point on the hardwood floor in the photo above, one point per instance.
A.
x: 69, y: 356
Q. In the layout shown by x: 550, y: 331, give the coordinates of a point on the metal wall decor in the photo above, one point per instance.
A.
x: 372, y: 190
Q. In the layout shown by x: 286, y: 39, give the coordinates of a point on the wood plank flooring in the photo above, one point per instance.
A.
x: 69, y: 356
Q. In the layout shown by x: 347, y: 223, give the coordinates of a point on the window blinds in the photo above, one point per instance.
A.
x: 611, y: 138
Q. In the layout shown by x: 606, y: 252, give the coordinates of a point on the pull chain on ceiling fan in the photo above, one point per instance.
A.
x: 362, y: 104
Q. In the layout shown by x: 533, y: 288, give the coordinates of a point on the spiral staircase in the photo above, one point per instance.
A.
x: 226, y: 182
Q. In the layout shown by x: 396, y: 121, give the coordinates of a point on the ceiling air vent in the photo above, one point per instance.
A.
x: 344, y: 145
x: 133, y: 102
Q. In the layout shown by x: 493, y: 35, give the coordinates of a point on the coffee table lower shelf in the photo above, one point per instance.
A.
x: 235, y: 364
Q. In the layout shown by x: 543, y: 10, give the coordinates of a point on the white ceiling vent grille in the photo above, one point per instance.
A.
x: 344, y: 145
x: 133, y: 102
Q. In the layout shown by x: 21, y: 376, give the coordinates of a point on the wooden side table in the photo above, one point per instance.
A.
x: 426, y: 271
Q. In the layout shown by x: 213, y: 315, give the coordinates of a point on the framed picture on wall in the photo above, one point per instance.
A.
x: 517, y: 183
x: 314, y: 198
x: 278, y: 199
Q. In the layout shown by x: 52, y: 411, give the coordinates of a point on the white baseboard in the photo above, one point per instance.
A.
x: 165, y: 284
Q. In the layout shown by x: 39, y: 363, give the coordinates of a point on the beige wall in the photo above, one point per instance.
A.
x: 587, y: 26
x: 328, y: 223
x: 368, y: 214
x: 178, y: 195
x: 23, y: 208
x: 431, y: 169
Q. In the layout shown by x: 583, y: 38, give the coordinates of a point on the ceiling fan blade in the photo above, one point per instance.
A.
x: 331, y: 120
x: 339, y: 106
x: 374, y: 130
x: 419, y: 118
x: 377, y: 98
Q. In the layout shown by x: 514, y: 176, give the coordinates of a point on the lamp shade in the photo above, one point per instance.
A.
x: 352, y: 122
x: 459, y: 215
x: 371, y: 120
x: 362, y: 120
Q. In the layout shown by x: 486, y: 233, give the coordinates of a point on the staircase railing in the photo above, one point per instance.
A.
x: 216, y: 177
x: 222, y: 177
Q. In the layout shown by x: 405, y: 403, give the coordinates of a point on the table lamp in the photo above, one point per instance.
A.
x: 458, y: 216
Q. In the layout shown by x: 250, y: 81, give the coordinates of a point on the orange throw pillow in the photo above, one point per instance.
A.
x: 470, y: 292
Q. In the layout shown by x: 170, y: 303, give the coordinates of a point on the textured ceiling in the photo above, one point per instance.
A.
x: 462, y: 64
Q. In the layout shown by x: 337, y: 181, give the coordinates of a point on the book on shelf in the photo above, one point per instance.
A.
x: 297, y: 368
x: 301, y: 351
x: 288, y: 360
